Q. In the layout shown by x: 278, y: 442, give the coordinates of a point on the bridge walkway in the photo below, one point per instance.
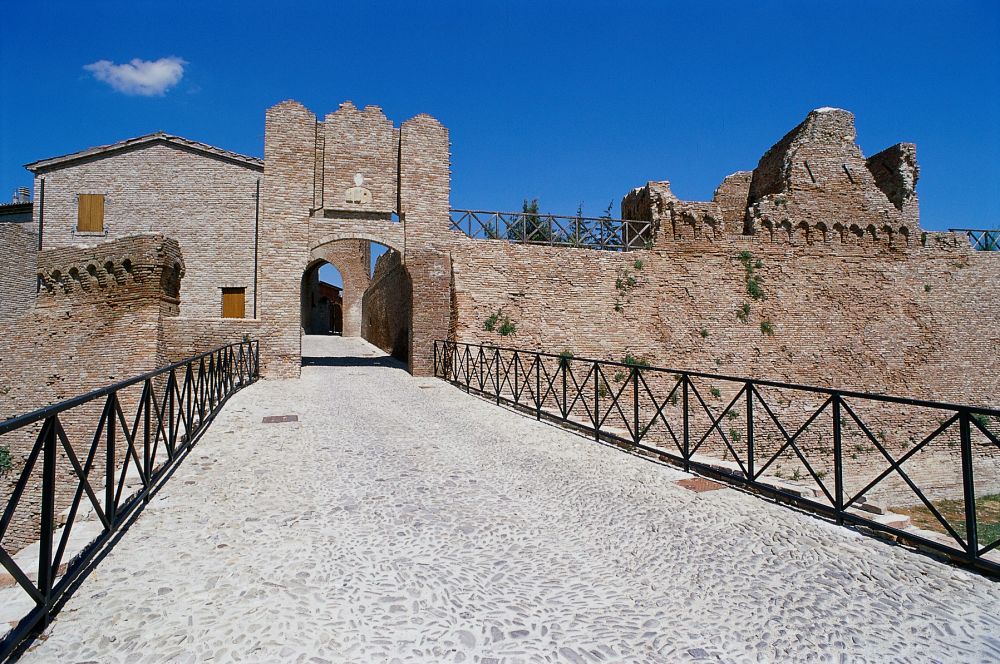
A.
x: 401, y: 520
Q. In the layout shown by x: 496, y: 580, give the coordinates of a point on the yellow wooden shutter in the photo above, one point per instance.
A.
x: 233, y: 302
x: 90, y: 213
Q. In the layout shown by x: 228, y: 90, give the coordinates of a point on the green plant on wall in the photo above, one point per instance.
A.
x: 490, y: 323
x: 767, y: 328
x: 507, y: 327
x: 626, y: 281
x: 743, y: 313
x: 6, y: 461
x: 633, y: 361
x: 754, y: 282
x: 564, y: 358
x: 501, y: 323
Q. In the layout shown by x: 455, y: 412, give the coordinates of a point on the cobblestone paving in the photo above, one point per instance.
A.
x: 401, y: 520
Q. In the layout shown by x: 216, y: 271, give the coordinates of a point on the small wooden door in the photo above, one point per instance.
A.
x: 233, y: 302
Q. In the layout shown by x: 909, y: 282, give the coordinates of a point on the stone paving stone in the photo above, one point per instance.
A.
x: 398, y: 524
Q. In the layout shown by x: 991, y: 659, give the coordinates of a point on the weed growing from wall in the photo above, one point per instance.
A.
x: 626, y: 281
x: 6, y: 461
x: 501, y: 323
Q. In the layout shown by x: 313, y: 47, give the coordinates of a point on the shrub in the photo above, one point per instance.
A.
x: 767, y: 328
x: 565, y: 357
x: 490, y: 323
x: 715, y: 392
x: 743, y: 313
x: 703, y: 333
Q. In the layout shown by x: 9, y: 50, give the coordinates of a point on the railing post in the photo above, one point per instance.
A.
x: 146, y: 461
x: 750, y: 442
x: 109, y: 460
x: 496, y: 373
x: 538, y: 387
x: 597, y: 395
x: 436, y: 360
x: 468, y: 369
x: 564, y: 362
x: 48, y: 508
x: 969, y: 485
x: 687, y: 423
x: 637, y: 435
x: 171, y: 425
x: 838, y: 460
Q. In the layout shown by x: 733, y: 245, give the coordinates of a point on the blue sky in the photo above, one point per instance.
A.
x: 567, y: 102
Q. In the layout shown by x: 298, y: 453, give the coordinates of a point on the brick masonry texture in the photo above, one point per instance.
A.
x: 387, y: 307
x: 18, y: 254
x: 99, y: 319
x: 352, y: 258
x: 204, y: 201
x: 850, y: 292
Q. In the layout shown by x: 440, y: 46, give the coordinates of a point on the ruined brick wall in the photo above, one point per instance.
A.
x: 815, y: 181
x: 207, y: 204
x: 387, y: 307
x: 917, y: 323
x: 98, y: 321
x: 18, y: 258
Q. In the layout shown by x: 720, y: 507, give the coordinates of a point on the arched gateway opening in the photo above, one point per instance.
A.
x: 356, y: 288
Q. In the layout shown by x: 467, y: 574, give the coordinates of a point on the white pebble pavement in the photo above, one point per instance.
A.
x: 401, y: 520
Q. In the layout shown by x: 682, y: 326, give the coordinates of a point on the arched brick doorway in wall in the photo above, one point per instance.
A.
x: 375, y: 294
x: 321, y: 300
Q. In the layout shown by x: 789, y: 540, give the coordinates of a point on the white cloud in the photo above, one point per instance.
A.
x: 139, y: 77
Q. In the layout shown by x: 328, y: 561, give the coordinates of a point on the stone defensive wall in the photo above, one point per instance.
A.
x: 811, y: 269
x: 387, y: 307
x: 98, y: 319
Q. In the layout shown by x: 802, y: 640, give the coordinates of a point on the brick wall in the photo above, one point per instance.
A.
x: 18, y: 256
x: 352, y: 258
x: 288, y: 192
x: 206, y: 203
x: 183, y: 337
x: 387, y: 307
x: 98, y: 321
x: 916, y: 323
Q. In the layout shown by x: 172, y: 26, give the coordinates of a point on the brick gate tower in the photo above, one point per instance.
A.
x: 352, y: 176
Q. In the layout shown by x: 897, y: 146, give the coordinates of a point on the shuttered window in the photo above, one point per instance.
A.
x: 233, y: 302
x: 90, y: 213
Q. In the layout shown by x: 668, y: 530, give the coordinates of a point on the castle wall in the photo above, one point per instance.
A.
x: 98, y: 320
x: 387, y: 307
x: 207, y: 204
x: 18, y: 258
x: 917, y: 323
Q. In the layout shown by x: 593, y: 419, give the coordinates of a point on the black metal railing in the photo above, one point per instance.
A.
x: 980, y: 239
x: 84, y: 442
x: 554, y: 230
x: 846, y: 455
